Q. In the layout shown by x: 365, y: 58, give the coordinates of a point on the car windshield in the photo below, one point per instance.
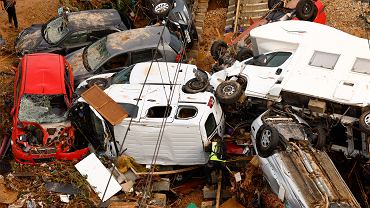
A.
x: 96, y: 54
x: 123, y: 76
x: 55, y: 30
x: 42, y: 108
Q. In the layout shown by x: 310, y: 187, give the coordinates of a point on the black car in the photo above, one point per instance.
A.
x: 69, y: 32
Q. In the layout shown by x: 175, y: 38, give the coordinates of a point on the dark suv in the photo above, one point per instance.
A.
x: 69, y: 32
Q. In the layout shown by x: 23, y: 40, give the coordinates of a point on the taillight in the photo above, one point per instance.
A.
x: 210, y: 102
x: 179, y: 55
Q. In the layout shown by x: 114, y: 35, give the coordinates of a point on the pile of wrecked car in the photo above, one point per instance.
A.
x: 126, y: 92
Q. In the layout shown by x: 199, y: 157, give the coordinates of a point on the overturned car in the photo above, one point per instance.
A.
x: 299, y: 174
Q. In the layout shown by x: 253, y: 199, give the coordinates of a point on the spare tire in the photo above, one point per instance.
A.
x: 228, y: 92
x: 100, y: 82
x: 194, y: 86
x: 271, y: 4
x: 267, y: 141
x: 305, y: 10
x: 218, y: 49
x: 244, y: 53
x: 364, y: 121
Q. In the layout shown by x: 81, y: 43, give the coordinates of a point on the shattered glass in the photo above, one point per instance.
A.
x: 56, y: 30
x: 43, y: 108
x: 97, y: 53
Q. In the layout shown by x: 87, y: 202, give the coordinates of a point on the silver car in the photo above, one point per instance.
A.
x: 299, y: 174
x: 117, y: 50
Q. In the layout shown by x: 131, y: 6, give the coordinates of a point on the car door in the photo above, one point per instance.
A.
x: 264, y: 71
x: 114, y: 63
x: 75, y: 41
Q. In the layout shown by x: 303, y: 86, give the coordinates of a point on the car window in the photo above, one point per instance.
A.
x: 145, y: 55
x: 56, y: 30
x: 76, y: 37
x: 131, y: 109
x: 97, y: 34
x: 115, y: 62
x: 274, y: 59
x: 123, y: 76
x: 186, y: 112
x: 362, y: 66
x: 324, y: 60
x: 175, y: 43
x: 159, y: 112
x: 278, y: 59
x: 210, y: 124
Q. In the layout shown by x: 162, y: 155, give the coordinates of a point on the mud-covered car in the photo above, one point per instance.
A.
x: 69, y: 32
x: 121, y: 49
x: 298, y: 173
x: 43, y: 91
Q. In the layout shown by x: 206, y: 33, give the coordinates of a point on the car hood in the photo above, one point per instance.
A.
x: 30, y: 40
x: 76, y: 61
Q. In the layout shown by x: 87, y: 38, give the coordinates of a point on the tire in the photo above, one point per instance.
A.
x: 271, y: 4
x: 244, y: 53
x: 321, y: 138
x: 194, y: 86
x: 305, y: 10
x: 228, y: 92
x: 364, y: 121
x: 100, y: 82
x: 161, y: 7
x: 218, y: 49
x: 267, y: 141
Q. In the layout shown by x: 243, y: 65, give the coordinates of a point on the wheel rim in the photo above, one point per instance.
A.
x: 266, y: 138
x: 367, y: 119
x: 196, y: 85
x: 160, y: 8
x: 229, y: 90
x: 221, y: 51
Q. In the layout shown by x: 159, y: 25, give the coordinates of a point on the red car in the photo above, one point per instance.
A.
x: 43, y: 91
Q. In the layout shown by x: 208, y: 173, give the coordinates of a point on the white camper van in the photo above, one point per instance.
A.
x: 184, y: 119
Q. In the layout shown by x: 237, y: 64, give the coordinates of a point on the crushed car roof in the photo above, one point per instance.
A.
x: 43, y: 73
x: 93, y: 18
x: 141, y: 38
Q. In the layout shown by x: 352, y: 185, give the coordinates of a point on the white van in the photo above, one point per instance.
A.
x: 161, y: 110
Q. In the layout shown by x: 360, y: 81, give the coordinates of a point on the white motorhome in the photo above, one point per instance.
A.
x: 307, y: 65
x: 185, y: 122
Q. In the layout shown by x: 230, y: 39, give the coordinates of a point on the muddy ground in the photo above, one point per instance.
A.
x: 342, y: 14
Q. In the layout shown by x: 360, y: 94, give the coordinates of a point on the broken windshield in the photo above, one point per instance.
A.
x: 96, y: 54
x: 55, y: 30
x: 123, y: 76
x: 43, y: 108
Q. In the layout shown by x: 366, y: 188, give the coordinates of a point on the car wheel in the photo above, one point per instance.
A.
x: 218, y: 49
x: 271, y: 4
x: 244, y: 53
x: 195, y: 86
x: 100, y: 82
x: 162, y: 7
x: 228, y: 92
x: 321, y: 137
x: 267, y: 141
x: 364, y: 121
x: 305, y: 9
